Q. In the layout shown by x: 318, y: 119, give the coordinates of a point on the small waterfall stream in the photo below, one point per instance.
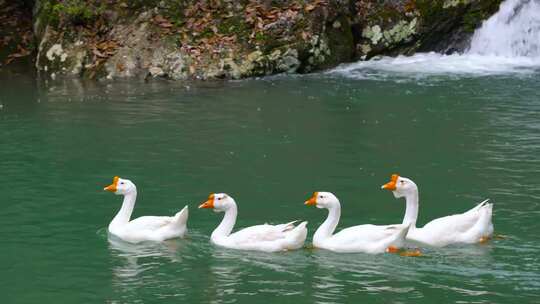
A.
x: 514, y: 31
x: 507, y: 43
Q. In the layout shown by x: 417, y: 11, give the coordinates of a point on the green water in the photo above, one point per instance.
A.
x: 269, y: 143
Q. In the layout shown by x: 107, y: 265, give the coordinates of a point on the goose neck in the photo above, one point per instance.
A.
x: 124, y: 214
x: 411, y: 211
x: 329, y: 226
x: 227, y: 223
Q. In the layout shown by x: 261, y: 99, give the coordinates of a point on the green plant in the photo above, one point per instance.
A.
x: 77, y: 12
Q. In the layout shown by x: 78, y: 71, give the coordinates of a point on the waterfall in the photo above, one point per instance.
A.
x: 507, y: 43
x: 514, y: 31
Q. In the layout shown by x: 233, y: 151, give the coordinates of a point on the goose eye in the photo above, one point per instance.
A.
x: 121, y: 183
x: 403, y: 182
x: 320, y: 196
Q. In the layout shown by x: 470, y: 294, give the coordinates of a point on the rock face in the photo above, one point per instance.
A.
x: 237, y: 39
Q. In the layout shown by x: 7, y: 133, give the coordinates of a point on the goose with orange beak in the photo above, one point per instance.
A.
x: 145, y: 228
x: 472, y: 226
x: 362, y: 238
x: 268, y: 238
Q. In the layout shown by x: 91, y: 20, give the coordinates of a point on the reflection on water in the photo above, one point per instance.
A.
x: 325, y: 277
x: 134, y: 266
x: 243, y: 273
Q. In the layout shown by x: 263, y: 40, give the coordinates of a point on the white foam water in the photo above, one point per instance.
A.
x: 506, y: 43
x: 514, y: 31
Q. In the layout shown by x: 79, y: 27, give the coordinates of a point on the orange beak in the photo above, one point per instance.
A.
x: 112, y: 187
x: 209, y: 204
x: 391, y: 185
x: 313, y: 200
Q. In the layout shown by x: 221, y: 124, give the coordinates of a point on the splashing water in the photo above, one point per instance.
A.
x: 506, y: 43
x: 513, y: 32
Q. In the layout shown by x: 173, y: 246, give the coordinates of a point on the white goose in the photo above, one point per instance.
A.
x: 362, y: 238
x: 145, y: 228
x: 269, y: 238
x: 472, y: 226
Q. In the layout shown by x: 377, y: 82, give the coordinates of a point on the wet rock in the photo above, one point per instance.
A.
x: 289, y: 62
x: 156, y: 71
x: 55, y: 52
x: 405, y: 27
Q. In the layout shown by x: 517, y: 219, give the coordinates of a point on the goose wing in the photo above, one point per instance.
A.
x: 150, y: 222
x: 366, y: 233
x: 260, y: 233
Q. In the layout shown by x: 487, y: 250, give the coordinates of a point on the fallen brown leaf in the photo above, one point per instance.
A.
x: 160, y: 19
x: 99, y: 54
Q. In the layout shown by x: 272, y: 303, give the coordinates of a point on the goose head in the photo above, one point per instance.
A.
x: 322, y: 200
x: 400, y: 186
x: 121, y: 186
x: 220, y: 202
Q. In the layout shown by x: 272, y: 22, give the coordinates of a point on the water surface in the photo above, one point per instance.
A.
x: 269, y: 143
